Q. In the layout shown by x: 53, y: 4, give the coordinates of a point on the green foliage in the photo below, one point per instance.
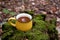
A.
x: 8, y: 33
x: 51, y: 26
x: 39, y: 17
x: 37, y: 35
x: 33, y: 34
x: 41, y: 30
x: 12, y: 13
x: 6, y: 11
x: 29, y: 12
x: 39, y: 23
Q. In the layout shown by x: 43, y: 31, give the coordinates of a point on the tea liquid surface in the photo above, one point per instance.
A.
x: 23, y: 19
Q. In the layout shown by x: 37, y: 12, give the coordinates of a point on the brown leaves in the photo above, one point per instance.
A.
x: 54, y: 9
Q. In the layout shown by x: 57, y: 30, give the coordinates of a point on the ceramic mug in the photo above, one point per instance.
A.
x: 21, y: 25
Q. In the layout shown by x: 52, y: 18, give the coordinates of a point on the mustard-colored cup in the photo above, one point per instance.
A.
x: 19, y: 25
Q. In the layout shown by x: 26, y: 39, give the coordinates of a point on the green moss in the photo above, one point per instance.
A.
x: 41, y: 30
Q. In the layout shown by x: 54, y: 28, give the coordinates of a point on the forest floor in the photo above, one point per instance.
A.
x: 37, y: 6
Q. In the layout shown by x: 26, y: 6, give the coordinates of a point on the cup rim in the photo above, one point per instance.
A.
x: 23, y: 15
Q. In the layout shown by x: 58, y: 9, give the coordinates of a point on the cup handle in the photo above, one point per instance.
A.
x: 12, y: 18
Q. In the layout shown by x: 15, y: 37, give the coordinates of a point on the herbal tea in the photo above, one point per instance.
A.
x: 24, y: 19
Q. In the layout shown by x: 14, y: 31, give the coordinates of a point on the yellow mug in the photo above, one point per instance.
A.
x: 19, y: 25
